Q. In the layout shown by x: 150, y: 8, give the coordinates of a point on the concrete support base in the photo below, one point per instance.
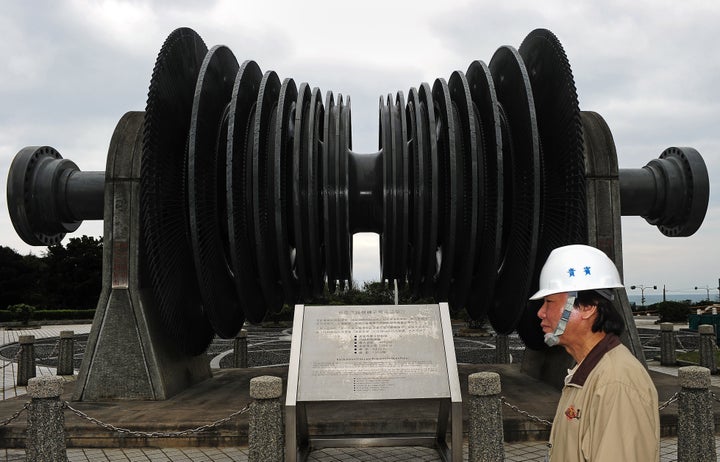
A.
x: 128, y: 355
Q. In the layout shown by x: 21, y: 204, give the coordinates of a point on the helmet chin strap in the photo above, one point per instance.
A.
x: 553, y: 338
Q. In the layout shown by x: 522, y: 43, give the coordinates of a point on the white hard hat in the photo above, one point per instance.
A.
x: 572, y: 268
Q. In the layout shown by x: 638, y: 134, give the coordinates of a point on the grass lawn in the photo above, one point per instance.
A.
x: 693, y: 356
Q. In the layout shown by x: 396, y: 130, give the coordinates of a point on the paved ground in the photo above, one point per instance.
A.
x: 516, y: 452
x: 523, y: 451
x: 9, y: 368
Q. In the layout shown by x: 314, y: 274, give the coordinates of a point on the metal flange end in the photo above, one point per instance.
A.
x: 670, y: 192
x: 37, y: 178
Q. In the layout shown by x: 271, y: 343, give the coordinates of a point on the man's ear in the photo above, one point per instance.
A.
x: 587, y: 311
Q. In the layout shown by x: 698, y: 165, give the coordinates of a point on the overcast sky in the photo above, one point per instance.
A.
x: 72, y: 68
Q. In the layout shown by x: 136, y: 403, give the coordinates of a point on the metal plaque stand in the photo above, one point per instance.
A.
x: 385, y: 352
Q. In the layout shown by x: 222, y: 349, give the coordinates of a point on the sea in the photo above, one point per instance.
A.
x: 656, y: 298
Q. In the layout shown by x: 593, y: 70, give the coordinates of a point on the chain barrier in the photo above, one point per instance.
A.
x: 667, y: 403
x: 11, y: 360
x: 16, y: 357
x: 15, y: 415
x: 537, y: 419
x: 53, y: 354
x: 141, y: 434
x: 714, y: 396
x: 525, y: 413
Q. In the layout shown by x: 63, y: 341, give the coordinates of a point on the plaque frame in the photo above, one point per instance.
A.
x: 299, y: 443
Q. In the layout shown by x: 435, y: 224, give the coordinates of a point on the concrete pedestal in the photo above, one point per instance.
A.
x: 266, y: 429
x: 707, y: 347
x: 46, y: 421
x: 668, y: 355
x: 66, y: 351
x: 696, y: 439
x: 26, y: 359
x: 485, y: 435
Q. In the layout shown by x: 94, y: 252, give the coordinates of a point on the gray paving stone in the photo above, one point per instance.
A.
x: 528, y: 451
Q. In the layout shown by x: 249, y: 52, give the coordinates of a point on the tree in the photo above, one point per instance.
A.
x: 24, y: 312
x: 73, y: 275
x: 371, y: 293
x: 19, y: 278
x: 672, y: 311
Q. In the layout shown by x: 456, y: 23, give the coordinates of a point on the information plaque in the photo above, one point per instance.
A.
x: 381, y: 352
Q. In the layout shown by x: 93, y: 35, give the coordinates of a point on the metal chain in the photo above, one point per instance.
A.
x: 525, y: 413
x: 535, y: 418
x: 12, y: 360
x: 15, y: 415
x: 142, y: 434
x: 55, y: 351
x: 714, y: 396
x: 667, y: 403
x: 37, y: 357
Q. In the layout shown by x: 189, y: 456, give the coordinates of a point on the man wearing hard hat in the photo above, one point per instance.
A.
x: 608, y: 410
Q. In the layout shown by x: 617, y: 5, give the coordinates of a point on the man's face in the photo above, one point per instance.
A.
x: 551, y: 311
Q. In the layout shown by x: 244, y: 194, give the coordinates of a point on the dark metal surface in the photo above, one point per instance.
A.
x: 239, y: 181
x: 263, y: 183
x: 165, y: 217
x: 671, y: 192
x: 206, y: 200
x: 562, y: 203
x: 317, y: 247
x: 521, y: 214
x: 344, y: 234
x: 484, y: 276
x: 470, y: 180
x: 48, y: 196
x: 420, y: 208
x: 450, y: 186
x: 432, y: 223
x: 281, y: 187
x: 387, y: 236
x: 401, y: 165
x: 329, y: 192
x: 300, y: 171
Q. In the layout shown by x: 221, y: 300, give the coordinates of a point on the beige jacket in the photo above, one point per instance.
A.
x: 608, y: 410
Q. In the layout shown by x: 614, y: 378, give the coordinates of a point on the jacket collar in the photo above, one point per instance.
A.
x: 606, y: 344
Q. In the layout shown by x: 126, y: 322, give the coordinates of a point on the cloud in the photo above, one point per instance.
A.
x: 71, y: 69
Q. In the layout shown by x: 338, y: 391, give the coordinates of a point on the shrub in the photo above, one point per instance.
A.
x: 22, y: 311
x: 671, y: 311
x: 47, y: 315
x: 286, y: 314
x: 55, y: 315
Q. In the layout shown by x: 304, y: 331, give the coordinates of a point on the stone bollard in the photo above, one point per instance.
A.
x: 66, y: 352
x: 668, y: 356
x: 707, y: 347
x: 696, y: 438
x: 26, y: 360
x: 485, y: 436
x: 45, y: 421
x: 240, y: 355
x: 266, y: 441
x: 502, y: 349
